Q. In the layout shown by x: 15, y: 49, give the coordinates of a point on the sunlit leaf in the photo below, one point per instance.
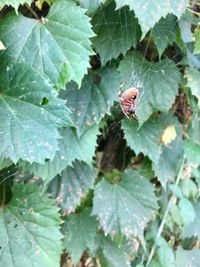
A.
x: 29, y: 230
x: 125, y: 207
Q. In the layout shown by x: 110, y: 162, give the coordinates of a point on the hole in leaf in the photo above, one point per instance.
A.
x: 45, y: 101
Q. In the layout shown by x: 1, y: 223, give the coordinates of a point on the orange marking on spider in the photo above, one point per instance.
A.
x: 128, y: 100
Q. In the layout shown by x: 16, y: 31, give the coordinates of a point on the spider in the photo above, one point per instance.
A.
x: 128, y: 100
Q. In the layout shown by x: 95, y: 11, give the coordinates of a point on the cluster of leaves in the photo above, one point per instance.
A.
x: 124, y: 192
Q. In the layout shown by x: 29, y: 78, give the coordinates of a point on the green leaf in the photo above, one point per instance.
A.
x: 187, y: 211
x: 53, y: 44
x: 176, y: 215
x: 193, y: 229
x: 116, y: 31
x: 193, y: 82
x: 71, y: 147
x: 164, y: 33
x: 165, y: 254
x: 113, y: 254
x: 14, y: 3
x: 166, y: 167
x: 91, y: 5
x: 94, y: 99
x: 28, y: 128
x: 159, y: 82
x: 192, y: 144
x: 145, y: 139
x: 125, y: 207
x: 79, y: 234
x: 197, y: 41
x: 74, y: 184
x: 189, y: 188
x: 149, y: 12
x: 4, y: 163
x: 187, y: 258
x: 192, y: 151
x: 30, y: 233
x: 148, y: 140
x: 185, y: 30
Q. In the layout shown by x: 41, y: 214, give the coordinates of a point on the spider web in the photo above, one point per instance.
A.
x: 134, y: 79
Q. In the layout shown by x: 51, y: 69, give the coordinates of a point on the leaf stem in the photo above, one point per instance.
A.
x: 32, y: 11
x: 166, y: 212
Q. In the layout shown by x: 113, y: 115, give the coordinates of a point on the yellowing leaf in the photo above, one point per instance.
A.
x: 2, y: 47
x: 169, y: 134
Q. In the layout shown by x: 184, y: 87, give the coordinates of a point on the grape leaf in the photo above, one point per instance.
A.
x: 30, y: 233
x: 165, y: 254
x: 164, y: 33
x: 166, y: 167
x: 191, y: 144
x: 56, y: 45
x: 148, y: 140
x: 145, y: 139
x: 71, y: 147
x: 93, y: 100
x: 14, y: 3
x: 159, y: 82
x: 149, y: 12
x: 197, y: 41
x: 26, y: 125
x: 193, y: 229
x: 4, y: 163
x: 189, y: 188
x: 187, y: 258
x: 113, y: 254
x: 79, y: 234
x: 125, y: 207
x: 192, y: 151
x: 91, y: 5
x: 74, y: 184
x: 193, y: 81
x: 187, y: 211
x: 116, y: 31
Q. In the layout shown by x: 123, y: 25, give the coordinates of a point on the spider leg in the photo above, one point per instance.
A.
x: 120, y: 88
x: 126, y: 114
x: 134, y: 116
